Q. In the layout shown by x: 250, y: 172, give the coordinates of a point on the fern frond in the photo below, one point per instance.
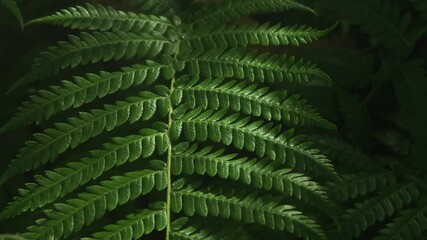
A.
x: 48, y: 145
x: 253, y: 66
x: 73, y: 94
x: 248, y: 99
x: 14, y: 9
x: 136, y: 225
x: 94, y: 47
x: 376, y: 209
x: 359, y: 185
x: 190, y: 56
x: 61, y: 181
x: 266, y: 140
x: 248, y: 208
x: 261, y: 174
x: 229, y: 11
x: 225, y: 36
x: 72, y: 215
x: 409, y: 225
x: 102, y: 18
x: 381, y: 19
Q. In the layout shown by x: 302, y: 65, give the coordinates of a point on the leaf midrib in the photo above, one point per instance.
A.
x: 128, y: 18
x: 98, y: 45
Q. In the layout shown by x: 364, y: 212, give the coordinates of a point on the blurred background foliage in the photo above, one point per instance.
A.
x: 376, y: 58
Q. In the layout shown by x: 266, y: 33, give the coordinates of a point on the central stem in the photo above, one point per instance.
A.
x: 169, y: 157
x: 168, y: 165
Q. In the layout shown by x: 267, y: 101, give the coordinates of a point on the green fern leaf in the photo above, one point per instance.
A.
x: 261, y: 174
x: 195, y: 103
x: 241, y: 207
x: 377, y: 209
x: 241, y: 36
x: 248, y: 99
x: 14, y: 9
x: 54, y: 141
x: 409, y: 225
x: 95, y: 47
x: 75, y: 213
x: 233, y: 10
x: 136, y: 225
x: 266, y: 140
x: 61, y: 181
x: 80, y: 91
x: 265, y: 67
x: 105, y: 18
x: 360, y: 185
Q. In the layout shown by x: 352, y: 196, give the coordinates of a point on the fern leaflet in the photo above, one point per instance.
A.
x: 265, y: 67
x: 105, y: 19
x: 75, y: 213
x: 61, y: 181
x: 80, y: 91
x: 377, y: 209
x: 409, y: 225
x: 136, y: 225
x: 262, y: 139
x: 242, y: 207
x: 95, y: 47
x: 54, y: 141
x: 248, y: 99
